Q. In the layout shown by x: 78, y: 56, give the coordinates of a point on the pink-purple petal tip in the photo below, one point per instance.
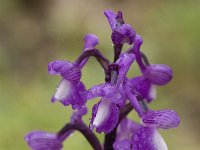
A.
x: 90, y: 41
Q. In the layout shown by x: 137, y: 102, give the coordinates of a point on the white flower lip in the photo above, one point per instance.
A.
x: 102, y: 112
x: 159, y: 141
x: 63, y: 90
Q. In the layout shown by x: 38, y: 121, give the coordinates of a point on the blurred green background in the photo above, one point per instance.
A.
x: 33, y: 33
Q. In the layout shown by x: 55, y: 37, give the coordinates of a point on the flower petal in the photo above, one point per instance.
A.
x: 134, y: 102
x: 115, y: 20
x: 40, y: 140
x: 90, y: 41
x: 124, y: 63
x: 136, y: 50
x: 101, y: 90
x: 147, y: 138
x: 161, y: 119
x: 137, y: 43
x: 105, y: 116
x: 123, y: 34
x: 66, y: 69
x: 63, y: 90
x: 107, y: 90
x: 159, y: 74
x: 142, y: 87
x: 70, y: 93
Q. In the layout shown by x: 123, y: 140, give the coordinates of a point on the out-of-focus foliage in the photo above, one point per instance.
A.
x: 33, y: 33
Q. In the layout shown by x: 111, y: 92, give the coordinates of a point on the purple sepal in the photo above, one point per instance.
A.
x: 123, y: 34
x: 133, y: 101
x: 115, y: 20
x: 66, y: 69
x: 136, y: 50
x: 137, y: 43
x: 40, y: 140
x: 90, y: 41
x: 105, y: 116
x: 124, y: 63
x: 69, y: 93
x: 147, y: 138
x: 164, y: 119
x: 158, y: 74
x: 142, y: 86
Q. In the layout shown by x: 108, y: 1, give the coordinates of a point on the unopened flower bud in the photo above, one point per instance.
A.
x: 123, y: 34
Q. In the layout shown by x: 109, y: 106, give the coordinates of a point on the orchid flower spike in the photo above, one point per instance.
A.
x: 118, y: 95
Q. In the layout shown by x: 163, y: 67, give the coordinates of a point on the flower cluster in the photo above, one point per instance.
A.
x: 119, y: 95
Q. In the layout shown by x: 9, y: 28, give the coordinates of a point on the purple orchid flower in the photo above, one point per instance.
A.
x: 121, y: 33
x: 153, y: 74
x: 131, y: 135
x: 71, y: 90
x: 106, y: 113
x: 158, y: 74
